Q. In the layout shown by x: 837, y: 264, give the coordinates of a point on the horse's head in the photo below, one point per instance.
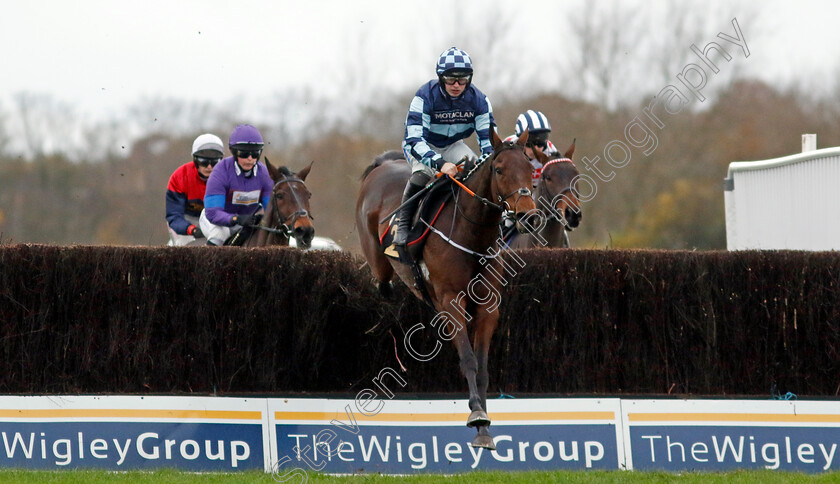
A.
x: 289, y: 205
x: 511, y: 174
x: 555, y: 187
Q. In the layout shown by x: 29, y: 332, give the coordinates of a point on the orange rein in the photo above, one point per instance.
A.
x: 472, y: 194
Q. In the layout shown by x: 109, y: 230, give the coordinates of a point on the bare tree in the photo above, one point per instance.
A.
x: 486, y: 36
x: 4, y: 133
x: 608, y: 40
x: 46, y: 124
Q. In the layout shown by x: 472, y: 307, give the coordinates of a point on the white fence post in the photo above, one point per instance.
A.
x: 809, y: 142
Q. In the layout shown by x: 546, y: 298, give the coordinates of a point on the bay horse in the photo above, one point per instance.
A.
x: 457, y: 252
x: 557, y: 202
x: 288, y: 213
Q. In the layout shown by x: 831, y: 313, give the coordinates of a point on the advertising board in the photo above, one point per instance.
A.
x: 411, y: 436
x: 717, y: 435
x: 132, y: 432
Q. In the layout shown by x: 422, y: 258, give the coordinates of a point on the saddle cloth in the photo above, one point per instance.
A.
x: 430, y: 207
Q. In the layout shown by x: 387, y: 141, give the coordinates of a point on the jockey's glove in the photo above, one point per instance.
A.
x: 196, y: 232
x: 247, y: 220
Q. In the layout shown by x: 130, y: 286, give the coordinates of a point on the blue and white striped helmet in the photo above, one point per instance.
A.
x: 534, y: 121
x: 454, y: 59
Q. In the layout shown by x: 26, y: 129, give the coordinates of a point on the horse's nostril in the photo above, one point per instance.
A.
x: 572, y: 217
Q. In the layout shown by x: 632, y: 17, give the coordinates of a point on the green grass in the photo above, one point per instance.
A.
x: 169, y: 476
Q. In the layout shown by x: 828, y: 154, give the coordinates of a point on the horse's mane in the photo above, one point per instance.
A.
x: 470, y: 168
x: 284, y: 171
x: 383, y: 158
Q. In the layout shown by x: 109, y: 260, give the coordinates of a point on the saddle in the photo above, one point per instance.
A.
x: 429, y: 208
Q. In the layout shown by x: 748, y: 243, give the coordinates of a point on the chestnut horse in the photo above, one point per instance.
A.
x: 557, y: 202
x: 288, y: 213
x: 457, y: 252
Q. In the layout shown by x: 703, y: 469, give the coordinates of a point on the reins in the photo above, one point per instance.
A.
x: 502, y: 199
x: 286, y: 227
x: 519, y: 192
x: 479, y: 197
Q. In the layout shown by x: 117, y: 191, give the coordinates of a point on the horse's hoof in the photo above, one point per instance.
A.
x: 483, y: 442
x: 478, y: 418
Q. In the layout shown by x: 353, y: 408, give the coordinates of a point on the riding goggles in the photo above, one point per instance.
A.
x: 540, y: 140
x: 255, y: 154
x: 450, y: 80
x: 204, y: 161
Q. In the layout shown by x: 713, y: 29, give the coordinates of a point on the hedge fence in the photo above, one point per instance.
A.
x: 232, y: 321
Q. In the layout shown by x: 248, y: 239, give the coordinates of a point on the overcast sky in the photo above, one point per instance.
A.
x: 103, y: 55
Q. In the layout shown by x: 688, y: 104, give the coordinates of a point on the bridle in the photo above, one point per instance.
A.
x: 502, y: 204
x: 286, y: 226
x: 551, y: 197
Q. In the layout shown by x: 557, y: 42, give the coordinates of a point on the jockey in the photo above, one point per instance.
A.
x: 442, y: 114
x: 538, y: 131
x: 238, y: 189
x: 185, y: 191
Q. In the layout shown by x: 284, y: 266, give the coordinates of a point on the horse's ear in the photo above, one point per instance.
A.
x: 571, y: 151
x: 523, y: 138
x: 302, y: 173
x: 273, y: 172
x: 495, y: 141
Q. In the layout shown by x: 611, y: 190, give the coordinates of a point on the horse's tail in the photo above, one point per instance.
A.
x: 382, y: 159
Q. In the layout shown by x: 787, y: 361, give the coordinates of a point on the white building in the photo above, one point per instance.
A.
x: 791, y: 202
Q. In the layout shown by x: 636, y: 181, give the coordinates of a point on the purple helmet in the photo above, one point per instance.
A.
x: 245, y: 134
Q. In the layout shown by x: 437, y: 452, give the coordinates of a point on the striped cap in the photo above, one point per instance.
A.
x: 454, y: 58
x: 534, y: 121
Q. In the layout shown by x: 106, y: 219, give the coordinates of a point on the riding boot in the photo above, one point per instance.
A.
x: 406, y: 213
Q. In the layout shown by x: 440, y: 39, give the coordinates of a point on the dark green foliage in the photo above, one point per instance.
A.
x: 172, y: 320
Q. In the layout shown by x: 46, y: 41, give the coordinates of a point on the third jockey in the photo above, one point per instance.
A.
x: 538, y: 130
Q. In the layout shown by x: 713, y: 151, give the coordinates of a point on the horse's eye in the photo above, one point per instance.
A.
x: 279, y: 195
x: 498, y: 171
x: 547, y: 178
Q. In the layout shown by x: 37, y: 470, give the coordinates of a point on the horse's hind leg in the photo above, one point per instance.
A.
x: 381, y: 269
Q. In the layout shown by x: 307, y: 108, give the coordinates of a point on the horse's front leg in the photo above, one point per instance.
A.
x: 468, y: 363
x: 485, y: 325
x: 469, y: 368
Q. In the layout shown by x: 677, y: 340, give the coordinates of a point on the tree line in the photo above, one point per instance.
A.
x: 671, y: 199
x: 64, y: 181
